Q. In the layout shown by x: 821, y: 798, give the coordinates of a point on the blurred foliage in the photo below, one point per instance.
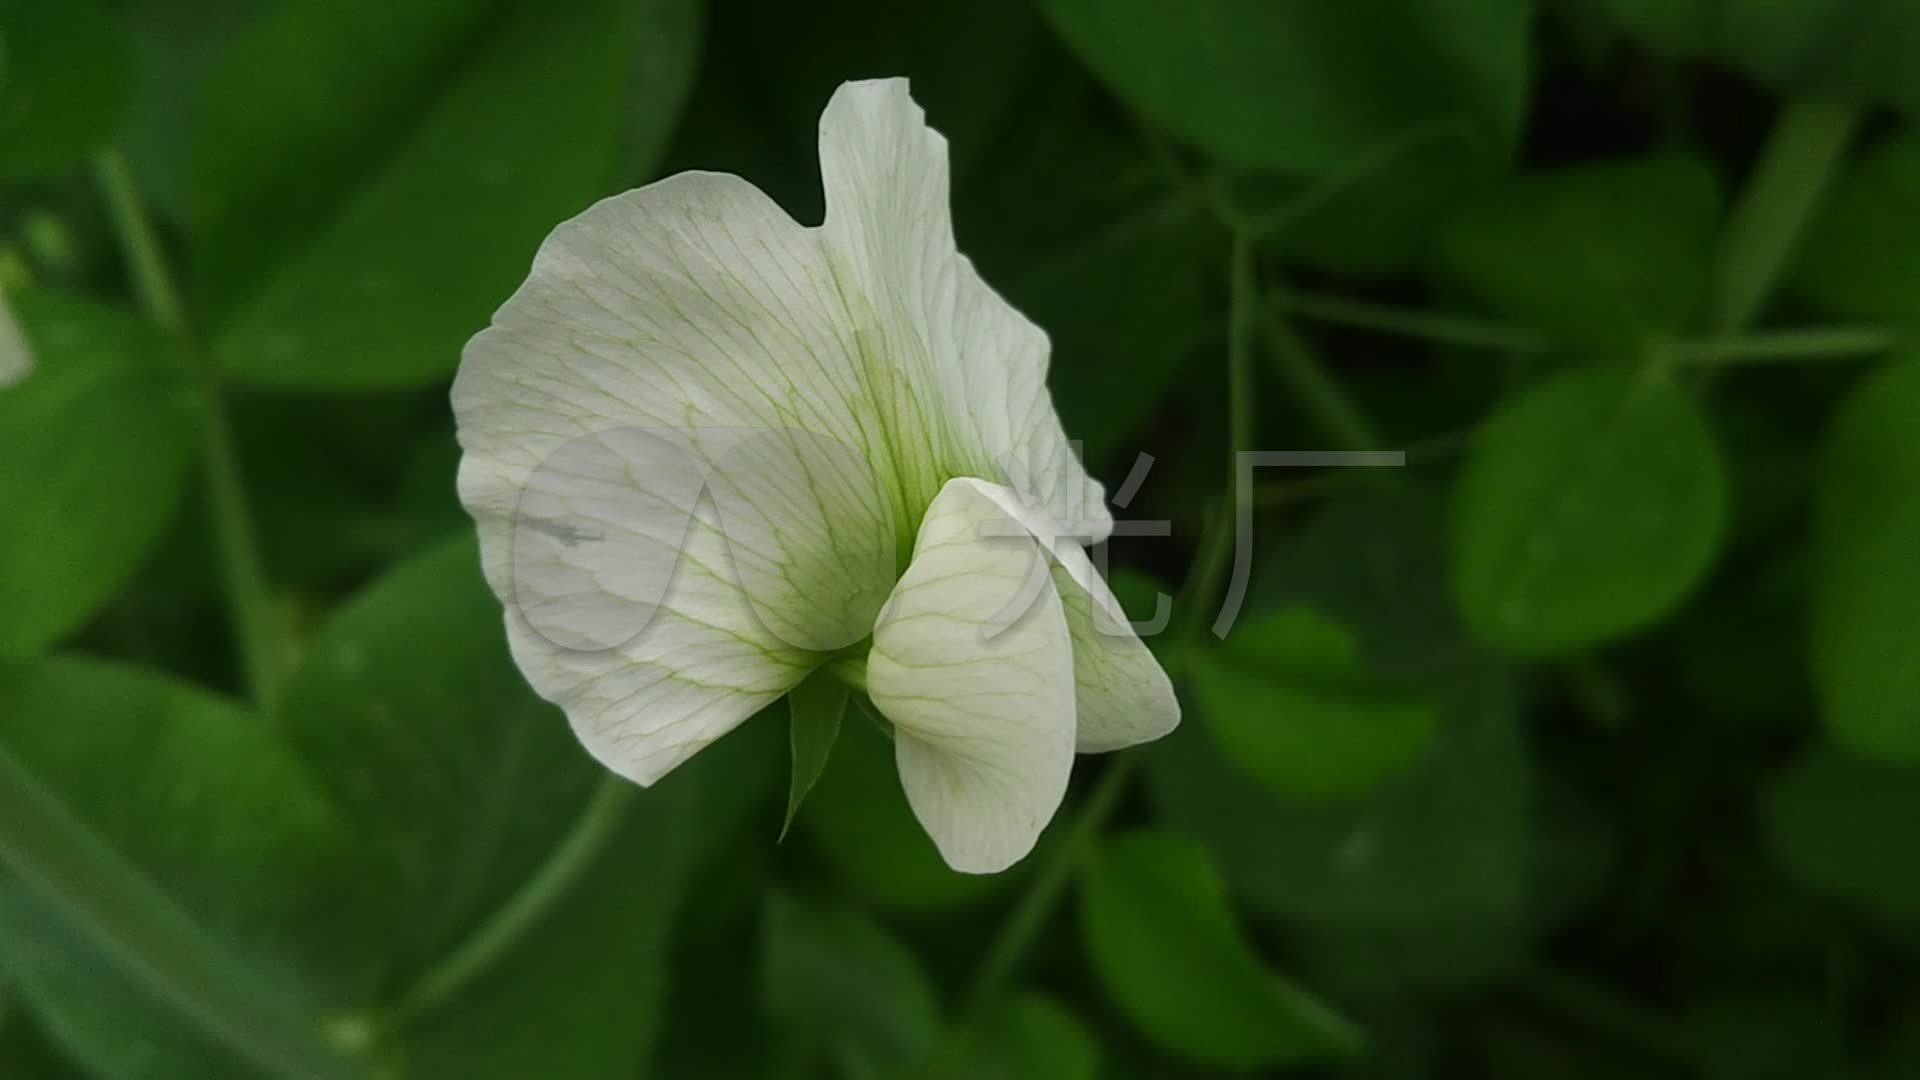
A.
x: 1586, y: 745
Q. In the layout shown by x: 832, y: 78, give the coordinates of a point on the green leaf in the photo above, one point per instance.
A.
x: 1289, y: 701
x: 95, y: 448
x: 1602, y: 255
x: 354, y: 232
x: 1866, y: 577
x: 844, y: 983
x: 63, y: 79
x: 1022, y: 1037
x: 815, y: 708
x: 1303, y: 86
x: 1166, y: 947
x: 1843, y: 827
x: 859, y: 821
x: 457, y: 779
x: 1810, y: 48
x: 205, y: 802
x: 1587, y: 508
x: 582, y: 994
x: 1860, y: 257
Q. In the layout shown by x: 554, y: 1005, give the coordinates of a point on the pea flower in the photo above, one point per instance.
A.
x: 712, y: 453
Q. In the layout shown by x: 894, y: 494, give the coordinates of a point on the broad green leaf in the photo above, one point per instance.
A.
x: 1303, y: 86
x: 1769, y: 1035
x: 63, y: 84
x: 1166, y: 947
x: 1588, y: 507
x: 1843, y: 827
x: 847, y: 986
x: 1022, y: 1037
x: 355, y: 235
x: 1602, y: 255
x: 1288, y: 700
x: 582, y: 994
x: 203, y: 799
x: 95, y: 450
x: 1866, y: 569
x: 411, y: 714
x: 858, y: 820
x: 814, y: 708
x: 1814, y: 48
x: 1860, y: 257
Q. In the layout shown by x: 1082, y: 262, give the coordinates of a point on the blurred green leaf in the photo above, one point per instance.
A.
x: 355, y: 235
x: 807, y: 51
x: 1022, y: 1037
x: 859, y: 822
x: 206, y: 801
x: 844, y: 984
x: 814, y: 709
x: 1588, y: 507
x: 95, y: 449
x: 1866, y: 578
x: 1860, y: 257
x: 582, y: 994
x: 1759, y: 1035
x: 63, y: 84
x: 1865, y: 50
x: 1843, y: 827
x: 455, y: 777
x: 1288, y: 700
x: 1166, y: 947
x: 1303, y: 86
x: 1602, y: 255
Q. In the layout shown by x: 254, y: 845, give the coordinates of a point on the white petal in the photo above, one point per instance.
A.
x: 1124, y: 695
x: 958, y: 362
x: 684, y: 338
x: 983, y: 721
x: 16, y: 360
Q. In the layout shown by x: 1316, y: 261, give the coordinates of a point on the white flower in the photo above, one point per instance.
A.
x: 711, y: 451
x: 16, y: 360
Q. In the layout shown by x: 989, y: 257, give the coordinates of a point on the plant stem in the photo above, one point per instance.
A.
x: 1010, y: 945
x: 1798, y: 162
x: 597, y: 824
x: 1326, y: 402
x: 1441, y: 329
x: 1812, y: 344
x: 148, y: 938
x: 1607, y: 1013
x: 1242, y: 313
x: 248, y: 598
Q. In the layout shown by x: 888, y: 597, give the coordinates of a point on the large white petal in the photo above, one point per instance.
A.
x: 961, y: 373
x: 666, y: 452
x: 982, y: 704
x: 1124, y: 694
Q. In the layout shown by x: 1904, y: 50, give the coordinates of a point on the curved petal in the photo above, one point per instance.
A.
x: 962, y: 374
x: 983, y: 721
x: 666, y: 453
x: 1124, y: 695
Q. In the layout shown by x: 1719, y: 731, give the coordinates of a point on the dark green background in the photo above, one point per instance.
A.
x: 1587, y: 745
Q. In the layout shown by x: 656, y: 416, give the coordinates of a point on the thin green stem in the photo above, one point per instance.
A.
x: 1607, y: 1013
x: 1353, y: 172
x: 1327, y: 404
x: 1441, y: 329
x: 1817, y: 344
x: 1795, y: 167
x: 149, y: 939
x: 249, y: 600
x: 1030, y: 913
x: 597, y: 824
x: 1243, y: 290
